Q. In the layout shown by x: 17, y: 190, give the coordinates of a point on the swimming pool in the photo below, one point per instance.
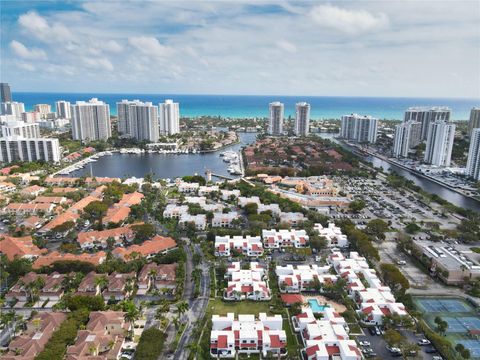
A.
x: 315, y: 306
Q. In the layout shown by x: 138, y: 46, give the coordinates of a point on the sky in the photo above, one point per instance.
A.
x: 406, y: 48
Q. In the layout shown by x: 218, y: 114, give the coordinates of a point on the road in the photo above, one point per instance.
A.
x: 197, y: 306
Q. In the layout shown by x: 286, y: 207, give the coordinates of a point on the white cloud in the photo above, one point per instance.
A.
x: 98, y: 63
x: 149, y: 45
x: 37, y: 26
x: 25, y: 53
x: 346, y: 20
x: 26, y: 66
x: 286, y: 46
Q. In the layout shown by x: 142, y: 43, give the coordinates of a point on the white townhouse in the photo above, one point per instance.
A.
x: 248, y: 245
x: 275, y: 239
x: 224, y: 220
x: 292, y: 218
x: 200, y: 220
x: 333, y: 234
x: 228, y: 194
x: 245, y: 284
x: 174, y: 211
x: 294, y: 279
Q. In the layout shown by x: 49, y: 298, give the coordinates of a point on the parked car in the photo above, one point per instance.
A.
x: 364, y: 343
x: 401, y: 262
x: 370, y: 354
x: 437, y: 357
x: 372, y: 331
x: 423, y: 342
x: 430, y: 350
x: 378, y: 331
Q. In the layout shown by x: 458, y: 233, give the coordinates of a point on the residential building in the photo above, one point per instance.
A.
x: 246, y: 284
x: 63, y: 109
x: 52, y: 288
x: 224, y: 220
x: 199, y: 221
x: 407, y: 136
x: 33, y: 190
x: 99, y: 239
x: 204, y: 190
x: 120, y: 286
x: 17, y: 148
x: 186, y: 187
x: 43, y: 110
x: 247, y: 335
x: 426, y: 116
x: 169, y: 117
x: 89, y: 285
x: 332, y: 234
x: 138, y: 120
x: 276, y: 239
x: 474, y: 121
x: 243, y: 201
x: 19, y: 247
x: 12, y: 108
x: 157, y: 277
x: 246, y: 245
x: 28, y: 209
x: 119, y: 212
x: 21, y: 129
x: 302, y: 119
x: 174, y: 211
x: 48, y: 259
x: 229, y: 194
x: 473, y: 161
x: 90, y: 120
x: 7, y: 187
x: 5, y: 93
x: 294, y: 279
x: 157, y: 245
x: 360, y: 129
x: 292, y: 218
x: 54, y: 124
x: 374, y: 299
x: 33, y: 339
x: 439, y: 147
x: 102, y: 338
x: 275, y: 125
x: 31, y: 117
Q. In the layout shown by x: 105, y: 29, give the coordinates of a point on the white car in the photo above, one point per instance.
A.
x: 423, y: 342
x: 364, y: 343
x: 401, y: 262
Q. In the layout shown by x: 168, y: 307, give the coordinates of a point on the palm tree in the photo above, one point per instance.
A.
x: 152, y: 274
x: 182, y: 307
x: 176, y: 322
x: 101, y: 282
x: 131, y: 314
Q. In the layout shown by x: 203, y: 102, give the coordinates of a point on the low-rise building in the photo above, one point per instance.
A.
x: 204, y: 190
x: 292, y: 218
x: 248, y: 245
x: 33, y: 190
x: 189, y: 188
x: 50, y: 287
x: 174, y: 211
x: 6, y: 187
x: 275, y: 239
x: 22, y: 247
x: 333, y: 234
x: 120, y: 286
x: 294, y: 279
x: 158, y: 277
x: 246, y: 284
x: 30, y: 208
x: 119, y: 212
x: 89, y: 285
x: 247, y: 335
x: 229, y: 194
x: 32, y: 341
x: 224, y: 220
x: 157, y: 245
x: 243, y: 201
x: 48, y: 259
x: 99, y: 239
x: 103, y: 337
x: 200, y: 221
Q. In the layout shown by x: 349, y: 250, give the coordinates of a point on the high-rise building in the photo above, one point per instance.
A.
x: 302, y: 119
x: 169, y: 117
x: 43, y: 109
x: 473, y: 162
x: 474, y: 121
x: 13, y: 108
x: 275, y: 125
x: 361, y: 129
x: 138, y: 120
x: 427, y: 115
x: 20, y: 128
x: 30, y: 116
x: 5, y: 93
x: 407, y: 136
x: 440, y: 138
x: 90, y: 120
x: 18, y: 148
x: 63, y: 109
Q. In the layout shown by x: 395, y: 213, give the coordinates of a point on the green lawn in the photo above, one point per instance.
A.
x: 220, y: 307
x: 292, y: 345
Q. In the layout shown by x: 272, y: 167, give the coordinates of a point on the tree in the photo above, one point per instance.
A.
x: 251, y: 209
x: 394, y: 278
x: 377, y: 228
x: 143, y: 232
x: 101, y: 281
x: 131, y: 314
x: 356, y: 205
x: 182, y: 307
x: 95, y: 211
x: 393, y: 337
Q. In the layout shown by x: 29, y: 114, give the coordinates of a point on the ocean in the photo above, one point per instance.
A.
x: 246, y: 106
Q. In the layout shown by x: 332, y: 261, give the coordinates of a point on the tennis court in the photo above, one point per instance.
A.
x: 443, y: 305
x: 462, y: 324
x: 473, y: 346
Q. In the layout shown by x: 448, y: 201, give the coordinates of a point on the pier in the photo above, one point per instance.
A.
x: 223, y: 177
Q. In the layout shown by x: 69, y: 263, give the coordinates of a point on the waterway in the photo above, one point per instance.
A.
x: 427, y: 185
x: 162, y: 165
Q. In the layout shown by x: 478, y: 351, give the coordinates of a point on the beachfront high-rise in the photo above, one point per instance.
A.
x: 407, y: 136
x: 43, y: 110
x: 474, y: 121
x: 473, y: 162
x: 275, y: 125
x: 302, y: 119
x: 63, y: 109
x: 440, y: 138
x: 91, y: 120
x: 13, y: 108
x: 138, y: 120
x: 361, y: 129
x: 426, y: 115
x: 5, y: 93
x: 169, y: 117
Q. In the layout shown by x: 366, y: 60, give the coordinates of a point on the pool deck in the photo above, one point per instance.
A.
x: 323, y: 300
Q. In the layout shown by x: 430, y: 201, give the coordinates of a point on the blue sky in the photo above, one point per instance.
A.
x: 360, y: 48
